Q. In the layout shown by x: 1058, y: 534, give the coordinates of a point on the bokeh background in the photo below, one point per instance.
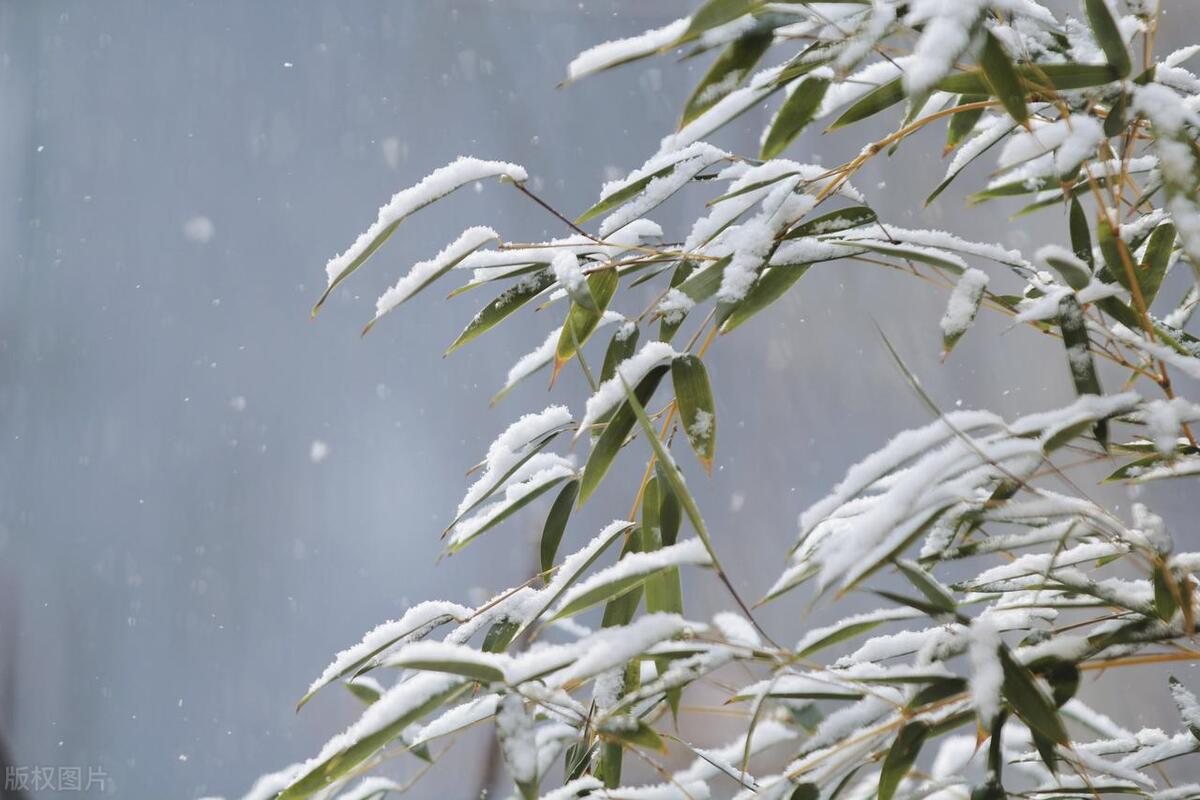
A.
x: 204, y: 494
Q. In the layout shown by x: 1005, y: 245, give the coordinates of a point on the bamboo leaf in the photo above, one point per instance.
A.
x: 727, y: 72
x: 623, y: 195
x: 1029, y: 701
x: 667, y: 468
x: 556, y: 523
x: 794, y: 115
x: 878, y: 99
x: 1002, y: 76
x: 834, y: 222
x: 1058, y: 77
x: 509, y: 301
x: 581, y: 321
x: 770, y: 285
x: 613, y: 437
x: 714, y: 13
x: 622, y: 607
x: 634, y: 733
x: 1108, y: 35
x: 1079, y: 356
x: 622, y: 345
x: 697, y: 412
x: 1157, y: 258
x: 901, y: 756
x: 963, y: 122
x: 1081, y: 237
x: 939, y: 596
x: 351, y: 755
x: 663, y: 591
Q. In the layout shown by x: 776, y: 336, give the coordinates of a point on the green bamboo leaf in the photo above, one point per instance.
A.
x: 556, y: 523
x: 712, y: 14
x: 794, y: 115
x: 362, y: 690
x: 667, y: 330
x: 670, y: 513
x: 834, y: 222
x: 506, y: 511
x: 532, y: 449
x: 663, y: 591
x: 613, y: 437
x: 342, y: 762
x: 806, y: 791
x: 1071, y: 271
x: 1029, y: 701
x: 1115, y: 252
x: 476, y: 669
x: 1059, y: 77
x: 622, y: 608
x: 770, y: 285
x: 938, y: 595
x: 509, y: 301
x: 1081, y: 237
x: 925, y: 255
x: 1079, y: 356
x: 580, y: 321
x: 601, y: 594
x: 500, y: 635
x: 622, y: 345
x: 1157, y: 258
x: 878, y: 99
x: 1002, y: 76
x: 727, y: 72
x: 667, y: 468
x: 623, y: 195
x: 1108, y: 35
x: 697, y: 412
x: 842, y: 631
x: 963, y: 122
x: 901, y: 756
x: 385, y: 233
x: 633, y: 732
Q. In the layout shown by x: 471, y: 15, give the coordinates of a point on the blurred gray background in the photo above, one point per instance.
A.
x: 175, y: 566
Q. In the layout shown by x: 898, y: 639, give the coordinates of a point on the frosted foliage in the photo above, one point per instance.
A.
x: 952, y: 592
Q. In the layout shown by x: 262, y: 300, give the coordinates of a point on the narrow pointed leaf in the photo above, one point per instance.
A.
x: 697, y: 412
x: 1108, y: 35
x: 770, y: 285
x: 1029, y: 701
x: 878, y: 99
x: 794, y: 115
x: 727, y: 72
x: 556, y: 523
x: 613, y: 437
x: 509, y: 301
x: 901, y: 757
x: 1002, y: 77
x: 963, y: 122
x: 582, y: 321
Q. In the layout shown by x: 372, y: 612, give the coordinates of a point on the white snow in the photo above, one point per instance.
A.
x: 963, y: 304
x: 423, y: 272
x: 691, y: 552
x: 987, y: 674
x: 518, y: 743
x: 432, y: 187
x: 616, y: 51
x: 1072, y: 139
x: 568, y: 272
x: 948, y: 28
x: 610, y: 393
x: 510, y: 447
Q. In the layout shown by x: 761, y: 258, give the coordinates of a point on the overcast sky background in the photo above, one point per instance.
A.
x: 174, y: 566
